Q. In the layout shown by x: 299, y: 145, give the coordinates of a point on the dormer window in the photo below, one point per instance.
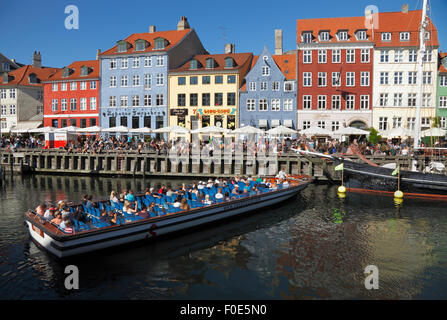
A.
x: 32, y: 78
x: 307, y: 37
x: 427, y: 35
x: 361, y: 35
x: 66, y: 72
x: 84, y: 71
x: 343, y: 35
x: 324, y: 36
x: 140, y: 45
x: 6, y: 66
x: 404, y: 36
x: 386, y: 36
x: 123, y: 46
x: 194, y: 64
x: 159, y: 43
x: 229, y: 62
x: 210, y: 63
x: 265, y: 58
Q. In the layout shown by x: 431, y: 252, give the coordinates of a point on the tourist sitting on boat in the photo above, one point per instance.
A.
x: 130, y: 196
x: 143, y: 213
x: 236, y: 190
x: 184, y: 205
x: 65, y: 212
x: 210, y: 184
x: 246, y: 187
x: 60, y: 205
x: 177, y: 202
x: 170, y: 192
x: 41, y: 208
x: 162, y: 190
x: 63, y: 223
x: 90, y: 204
x: 112, y: 217
x: 226, y: 196
x: 58, y: 219
x: 80, y: 215
x: 285, y: 183
x: 201, y: 185
x: 49, y: 214
x: 207, y: 200
x: 114, y: 200
x: 67, y: 227
x: 274, y: 186
x: 219, y: 194
x: 127, y: 208
x: 103, y: 217
x: 281, y: 174
x: 123, y: 195
x: 153, y: 194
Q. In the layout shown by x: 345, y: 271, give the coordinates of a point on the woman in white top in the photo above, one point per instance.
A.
x: 207, y: 200
x: 177, y: 202
x: 127, y: 208
x: 219, y: 194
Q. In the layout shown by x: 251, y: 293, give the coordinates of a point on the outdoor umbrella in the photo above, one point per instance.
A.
x: 434, y: 132
x: 211, y: 129
x: 120, y: 129
x: 316, y: 131
x: 67, y: 129
x: 348, y: 131
x: 280, y: 130
x: 248, y: 130
x: 42, y: 130
x: 398, y: 132
x: 172, y: 129
x: 141, y: 130
x: 93, y: 129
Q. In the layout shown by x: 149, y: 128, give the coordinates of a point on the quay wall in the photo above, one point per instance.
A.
x: 131, y: 163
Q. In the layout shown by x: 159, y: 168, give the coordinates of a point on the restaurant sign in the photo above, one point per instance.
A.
x: 207, y: 111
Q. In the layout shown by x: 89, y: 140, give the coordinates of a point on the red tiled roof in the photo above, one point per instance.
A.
x: 442, y: 68
x: 173, y: 37
x: 241, y: 59
x: 20, y: 76
x: 76, y: 66
x: 393, y: 22
x: 289, y: 66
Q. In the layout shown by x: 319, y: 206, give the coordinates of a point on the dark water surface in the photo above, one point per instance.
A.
x: 314, y: 246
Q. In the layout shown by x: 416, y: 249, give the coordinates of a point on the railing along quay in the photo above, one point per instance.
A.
x: 147, y: 163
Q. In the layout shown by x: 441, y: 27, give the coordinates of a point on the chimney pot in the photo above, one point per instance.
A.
x: 37, y: 60
x: 183, y: 24
x: 230, y: 48
x: 152, y: 29
x: 278, y: 42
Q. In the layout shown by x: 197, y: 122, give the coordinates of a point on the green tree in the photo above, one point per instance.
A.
x: 374, y: 136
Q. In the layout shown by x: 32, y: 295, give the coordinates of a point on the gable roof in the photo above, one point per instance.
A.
x: 442, y: 67
x: 173, y: 37
x: 76, y: 66
x: 240, y: 59
x: 20, y: 76
x: 393, y: 22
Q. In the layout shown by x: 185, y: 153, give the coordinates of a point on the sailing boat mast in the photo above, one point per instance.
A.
x: 421, y: 55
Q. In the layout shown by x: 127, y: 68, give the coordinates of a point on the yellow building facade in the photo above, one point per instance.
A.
x: 205, y: 91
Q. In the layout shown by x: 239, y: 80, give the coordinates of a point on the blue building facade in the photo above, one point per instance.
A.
x: 268, y: 97
x: 134, y: 75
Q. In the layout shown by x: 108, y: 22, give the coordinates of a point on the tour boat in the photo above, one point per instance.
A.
x: 130, y: 228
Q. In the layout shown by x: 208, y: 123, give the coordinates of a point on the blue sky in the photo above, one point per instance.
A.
x: 39, y: 25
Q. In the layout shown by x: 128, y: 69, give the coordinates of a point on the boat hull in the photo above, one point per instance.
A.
x: 63, y: 246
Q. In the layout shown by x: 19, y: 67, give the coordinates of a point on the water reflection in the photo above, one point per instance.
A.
x: 315, y: 246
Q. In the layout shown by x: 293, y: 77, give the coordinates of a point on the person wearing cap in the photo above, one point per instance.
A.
x: 210, y: 184
x: 200, y: 186
x: 235, y: 190
x: 49, y: 214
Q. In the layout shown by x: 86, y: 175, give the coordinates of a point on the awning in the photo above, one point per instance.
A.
x: 262, y: 123
x: 23, y: 125
x: 275, y: 123
x: 288, y: 123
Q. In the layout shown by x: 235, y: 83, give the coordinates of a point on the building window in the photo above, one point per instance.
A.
x: 252, y: 86
x: 428, y: 56
x: 321, y: 124
x: 160, y: 61
x: 112, y: 64
x: 412, y: 77
x: 350, y: 55
x: 64, y: 86
x: 181, y: 100
x: 54, y: 87
x: 443, y: 102
x: 307, y: 102
x: 426, y: 99
x: 398, y: 77
x: 398, y: 56
x: 411, y: 123
x: 93, y: 103
x: 124, y: 63
x: 322, y: 56
x: 218, y: 99
x: 307, y: 79
x: 92, y: 85
x: 3, y: 94
x: 404, y: 36
x: 322, y: 79
x: 160, y: 79
x: 136, y: 62
x: 54, y: 123
x: 140, y: 45
x: 336, y: 102
x: 206, y: 99
x: 83, y: 123
x: 383, y: 101
x: 159, y: 44
x: 123, y: 81
x: 361, y: 35
x: 159, y: 100
x: 135, y: 101
x: 112, y: 101
x: 336, y: 56
x: 263, y: 86
x: 324, y: 36
x: 443, y: 122
x: 307, y: 56
x: 384, y: 78
x: 364, y: 102
x: 73, y: 86
x: 206, y: 80
x: 350, y: 102
x: 54, y: 105
x: 193, y: 99
x: 306, y: 124
x: 386, y: 36
x: 443, y: 81
x: 148, y: 100
x: 112, y: 122
x: 350, y: 79
x: 412, y: 99
x: 265, y: 71
x: 193, y: 80
x: 112, y: 81
x: 307, y: 37
x: 412, y: 56
x: 124, y: 102
x: 288, y: 86
x: 218, y: 79
x: 275, y: 86
x: 181, y: 81
x: 73, y: 104
x: 288, y: 105
x: 383, y: 123
x: 426, y: 77
x: 342, y: 36
x: 4, y: 110
x: 335, y: 79
x: 276, y: 104
x: 123, y: 121
x: 321, y: 102
x: 384, y: 56
x: 397, y: 99
x: 229, y: 62
x: 148, y: 61
x: 425, y: 122
x: 136, y: 81
x: 365, y: 56
x: 231, y: 99
x: 263, y: 104
x: 231, y: 79
x: 251, y: 104
x: 83, y: 104
x: 335, y: 125
x: 147, y: 81
x: 364, y: 79
x: 63, y: 104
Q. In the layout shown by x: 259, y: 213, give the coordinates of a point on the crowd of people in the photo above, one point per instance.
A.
x: 210, y: 146
x: 127, y: 204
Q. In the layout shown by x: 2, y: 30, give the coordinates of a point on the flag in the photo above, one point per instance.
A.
x: 396, y: 171
x: 339, y: 167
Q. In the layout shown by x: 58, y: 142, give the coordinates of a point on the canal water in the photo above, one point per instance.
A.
x: 314, y: 246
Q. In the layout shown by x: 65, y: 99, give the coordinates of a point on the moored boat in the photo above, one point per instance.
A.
x: 165, y: 220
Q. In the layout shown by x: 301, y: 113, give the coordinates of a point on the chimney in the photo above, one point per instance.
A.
x: 230, y: 48
x: 278, y: 42
x: 98, y: 52
x: 37, y: 60
x: 151, y: 29
x: 183, y: 24
x: 405, y: 8
x: 5, y: 77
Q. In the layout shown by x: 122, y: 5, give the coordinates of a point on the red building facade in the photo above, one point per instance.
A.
x: 335, y: 73
x: 71, y: 96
